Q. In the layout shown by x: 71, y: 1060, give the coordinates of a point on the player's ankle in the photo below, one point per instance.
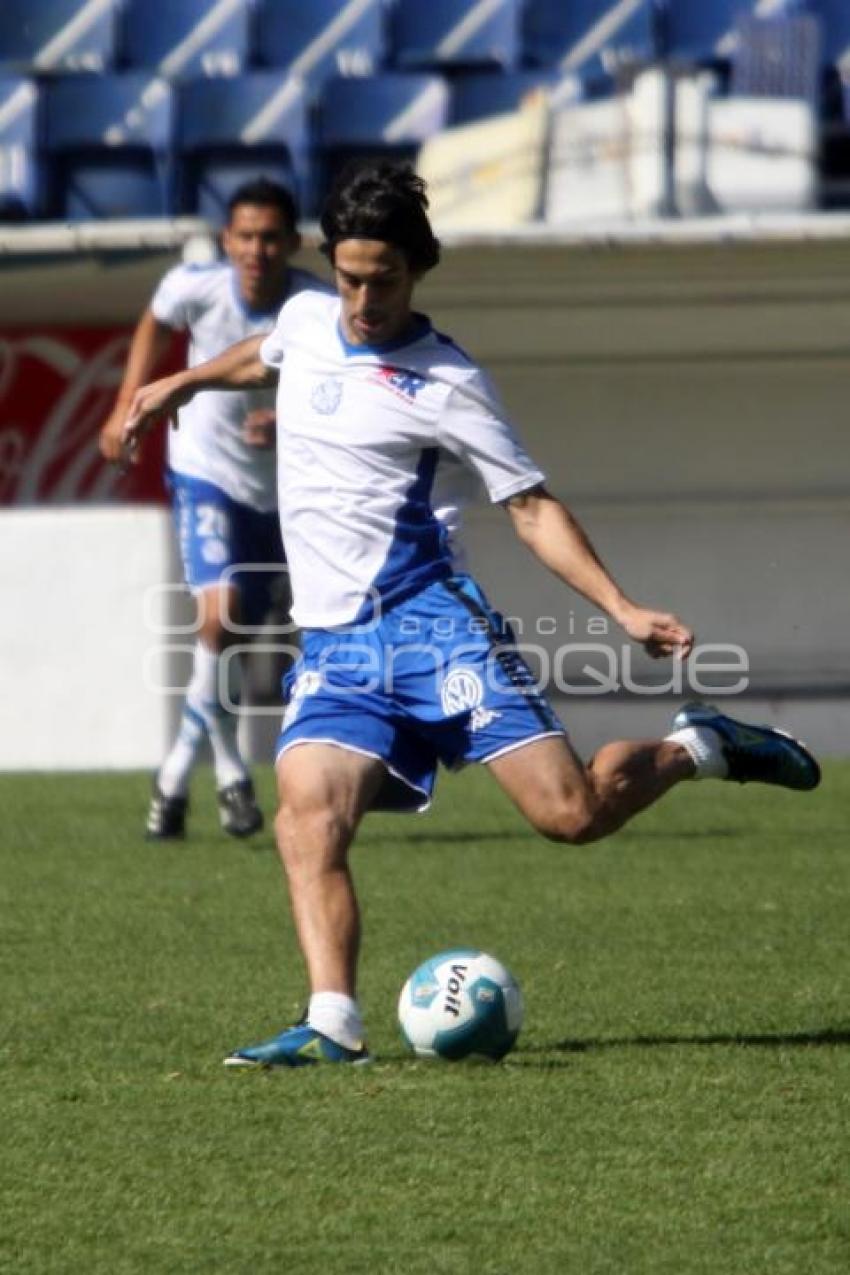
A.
x: 336, y: 1016
x: 705, y: 749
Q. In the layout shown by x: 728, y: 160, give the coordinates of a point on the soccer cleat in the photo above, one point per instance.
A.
x: 238, y: 812
x: 299, y: 1046
x: 166, y: 817
x: 755, y: 754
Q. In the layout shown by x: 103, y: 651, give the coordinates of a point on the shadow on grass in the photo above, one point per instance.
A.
x: 779, y: 1040
x: 679, y: 834
x: 456, y: 838
x: 470, y: 837
x: 545, y: 1057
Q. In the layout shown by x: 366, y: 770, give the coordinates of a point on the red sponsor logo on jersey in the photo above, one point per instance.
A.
x: 400, y: 380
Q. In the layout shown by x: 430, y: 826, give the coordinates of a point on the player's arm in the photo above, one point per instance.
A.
x: 149, y: 343
x: 559, y: 541
x: 237, y: 368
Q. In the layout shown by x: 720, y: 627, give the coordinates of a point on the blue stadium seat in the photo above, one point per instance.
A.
x: 834, y: 16
x: 442, y: 34
x: 777, y: 57
x: 57, y: 35
x: 108, y: 142
x: 381, y: 115
x: 591, y: 39
x: 18, y: 175
x: 185, y: 38
x: 834, y: 19
x: 315, y: 39
x: 230, y: 130
x: 478, y: 94
x: 701, y: 31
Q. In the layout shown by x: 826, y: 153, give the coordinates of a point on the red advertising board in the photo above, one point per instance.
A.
x: 57, y: 387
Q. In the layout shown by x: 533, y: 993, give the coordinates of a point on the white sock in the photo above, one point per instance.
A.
x: 337, y: 1016
x: 204, y: 696
x: 205, y: 714
x: 173, y: 777
x: 704, y: 747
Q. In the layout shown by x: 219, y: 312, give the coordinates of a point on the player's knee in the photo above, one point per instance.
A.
x: 218, y: 615
x: 309, y: 830
x: 576, y: 822
x: 214, y: 633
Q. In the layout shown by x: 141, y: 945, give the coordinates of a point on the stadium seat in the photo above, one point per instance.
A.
x: 776, y: 57
x: 834, y: 16
x: 18, y: 177
x: 315, y: 39
x: 108, y: 140
x: 57, y: 35
x: 479, y: 94
x: 232, y: 129
x: 590, y: 40
x: 705, y: 32
x: 380, y: 115
x: 187, y: 37
x: 443, y: 34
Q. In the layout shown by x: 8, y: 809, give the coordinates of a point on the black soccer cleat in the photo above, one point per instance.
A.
x: 755, y: 754
x: 166, y: 817
x: 238, y: 812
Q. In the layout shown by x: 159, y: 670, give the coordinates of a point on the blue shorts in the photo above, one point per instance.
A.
x: 222, y: 541
x: 437, y: 679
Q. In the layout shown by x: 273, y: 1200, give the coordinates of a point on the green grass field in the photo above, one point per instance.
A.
x: 678, y: 1102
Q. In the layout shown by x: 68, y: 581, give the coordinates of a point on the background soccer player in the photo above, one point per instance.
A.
x: 221, y: 477
x: 404, y: 663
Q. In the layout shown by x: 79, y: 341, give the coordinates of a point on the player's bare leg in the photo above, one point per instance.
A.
x: 324, y: 792
x: 568, y: 801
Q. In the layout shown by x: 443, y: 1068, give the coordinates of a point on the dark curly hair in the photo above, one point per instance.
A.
x: 385, y: 201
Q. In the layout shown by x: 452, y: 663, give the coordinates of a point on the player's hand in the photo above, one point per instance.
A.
x: 660, y: 633
x: 259, y: 429
x: 111, y: 437
x: 150, y: 403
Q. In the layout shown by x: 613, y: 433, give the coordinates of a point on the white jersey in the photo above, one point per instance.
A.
x: 205, y: 301
x: 370, y: 442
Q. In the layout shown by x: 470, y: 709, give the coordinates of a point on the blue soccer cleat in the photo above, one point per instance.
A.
x: 755, y: 754
x: 299, y: 1046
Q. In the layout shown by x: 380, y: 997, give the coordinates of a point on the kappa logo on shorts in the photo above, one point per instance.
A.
x: 327, y: 396
x: 463, y: 692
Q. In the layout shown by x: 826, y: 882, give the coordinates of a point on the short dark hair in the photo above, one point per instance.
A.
x: 264, y: 193
x: 385, y: 201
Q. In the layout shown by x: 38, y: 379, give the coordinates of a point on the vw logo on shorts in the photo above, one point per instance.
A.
x: 326, y: 397
x: 462, y: 691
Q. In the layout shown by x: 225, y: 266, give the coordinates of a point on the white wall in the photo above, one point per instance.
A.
x: 78, y: 659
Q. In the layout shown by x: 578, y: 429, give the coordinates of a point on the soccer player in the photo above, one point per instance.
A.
x: 222, y: 482
x: 404, y: 662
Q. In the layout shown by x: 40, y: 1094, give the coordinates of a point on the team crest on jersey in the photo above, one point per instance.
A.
x: 327, y: 396
x: 402, y: 382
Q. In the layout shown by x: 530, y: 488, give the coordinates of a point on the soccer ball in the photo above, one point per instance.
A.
x: 460, y: 1003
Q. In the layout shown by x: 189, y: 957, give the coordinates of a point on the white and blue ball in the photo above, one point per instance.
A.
x: 460, y: 1004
